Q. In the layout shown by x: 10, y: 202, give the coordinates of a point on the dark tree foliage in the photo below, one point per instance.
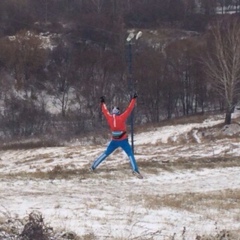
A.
x: 90, y: 57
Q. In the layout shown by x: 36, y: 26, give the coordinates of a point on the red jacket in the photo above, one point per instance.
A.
x: 117, y: 123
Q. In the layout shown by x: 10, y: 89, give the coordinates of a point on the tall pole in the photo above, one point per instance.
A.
x: 130, y: 39
x: 130, y: 85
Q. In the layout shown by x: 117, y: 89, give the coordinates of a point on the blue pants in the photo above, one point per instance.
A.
x: 113, y: 145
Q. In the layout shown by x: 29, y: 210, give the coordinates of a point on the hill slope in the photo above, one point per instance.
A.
x: 191, y: 185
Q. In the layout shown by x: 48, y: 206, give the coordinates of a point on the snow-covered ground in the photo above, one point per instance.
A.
x: 191, y: 185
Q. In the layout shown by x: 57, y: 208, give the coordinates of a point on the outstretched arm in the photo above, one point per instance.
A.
x: 104, y: 107
x: 130, y: 106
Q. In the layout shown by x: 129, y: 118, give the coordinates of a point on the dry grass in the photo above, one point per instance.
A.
x: 29, y: 144
x: 199, y: 118
x: 58, y: 172
x: 217, y: 202
x: 31, y: 227
x: 150, y: 166
x: 225, y: 200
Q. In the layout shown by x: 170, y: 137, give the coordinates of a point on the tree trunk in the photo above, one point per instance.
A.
x: 228, y: 117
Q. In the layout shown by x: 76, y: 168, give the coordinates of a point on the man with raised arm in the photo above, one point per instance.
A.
x: 117, y: 123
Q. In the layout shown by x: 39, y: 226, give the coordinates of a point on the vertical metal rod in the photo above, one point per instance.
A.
x: 132, y: 131
x: 131, y: 91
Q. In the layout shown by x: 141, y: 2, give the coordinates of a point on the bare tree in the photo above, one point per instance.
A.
x: 150, y: 75
x: 98, y: 4
x: 62, y: 71
x: 24, y: 56
x: 208, y: 7
x: 223, y: 62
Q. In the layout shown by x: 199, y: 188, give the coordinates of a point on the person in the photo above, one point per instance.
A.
x: 117, y: 123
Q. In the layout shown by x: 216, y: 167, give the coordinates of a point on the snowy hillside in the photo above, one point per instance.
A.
x: 191, y: 185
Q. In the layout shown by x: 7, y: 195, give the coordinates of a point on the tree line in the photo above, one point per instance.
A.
x: 189, y: 14
x: 187, y: 61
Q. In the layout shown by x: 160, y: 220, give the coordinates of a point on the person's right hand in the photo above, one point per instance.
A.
x: 102, y: 99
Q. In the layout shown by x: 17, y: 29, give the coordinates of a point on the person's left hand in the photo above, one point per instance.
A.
x: 135, y: 95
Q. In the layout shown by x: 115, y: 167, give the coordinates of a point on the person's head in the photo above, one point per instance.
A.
x: 116, y: 110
